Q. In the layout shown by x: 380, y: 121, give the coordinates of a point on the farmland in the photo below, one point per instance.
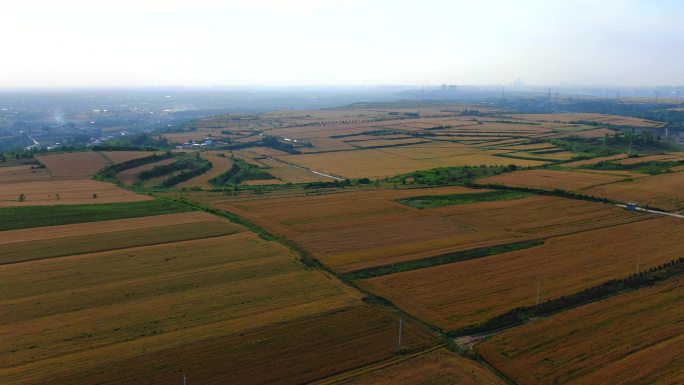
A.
x: 438, y: 367
x: 554, y: 179
x: 164, y: 297
x: 292, y: 249
x: 117, y: 157
x: 664, y: 191
x: 334, y: 227
x: 73, y: 165
x: 38, y: 216
x: 633, y: 338
x: 57, y: 241
x: 64, y: 192
x: 476, y: 290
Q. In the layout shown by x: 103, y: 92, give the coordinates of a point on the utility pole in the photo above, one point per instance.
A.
x: 401, y: 322
x: 538, y: 292
x: 185, y: 380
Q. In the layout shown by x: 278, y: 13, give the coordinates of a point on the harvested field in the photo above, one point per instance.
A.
x: 665, y: 191
x: 74, y: 164
x: 23, y: 173
x: 335, y: 228
x: 386, y: 162
x: 291, y: 174
x: 117, y: 157
x: 600, y: 118
x: 219, y: 165
x: 551, y: 179
x: 386, y: 142
x: 65, y: 192
x: 591, y: 161
x: 466, y: 293
x: 296, y: 352
x: 649, y: 158
x: 57, y: 241
x: 129, y: 176
x: 437, y: 367
x: 634, y: 338
x: 220, y: 310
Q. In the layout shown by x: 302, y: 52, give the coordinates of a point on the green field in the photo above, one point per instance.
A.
x: 430, y: 201
x: 12, y: 218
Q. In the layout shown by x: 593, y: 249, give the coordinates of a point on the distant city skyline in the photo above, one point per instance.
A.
x: 126, y: 43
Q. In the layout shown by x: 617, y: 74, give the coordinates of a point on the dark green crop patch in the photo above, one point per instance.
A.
x: 431, y: 201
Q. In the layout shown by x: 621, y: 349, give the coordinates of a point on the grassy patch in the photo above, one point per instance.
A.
x: 451, y: 175
x: 430, y: 201
x: 651, y: 167
x: 239, y: 172
x: 442, y: 259
x: 12, y: 218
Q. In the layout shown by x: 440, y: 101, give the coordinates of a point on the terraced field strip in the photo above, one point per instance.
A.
x: 635, y: 338
x: 220, y: 164
x: 465, y: 293
x: 117, y: 157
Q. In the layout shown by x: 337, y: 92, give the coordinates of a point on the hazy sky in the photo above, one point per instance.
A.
x: 340, y: 42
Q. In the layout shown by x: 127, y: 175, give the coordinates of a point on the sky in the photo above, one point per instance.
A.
x: 122, y: 43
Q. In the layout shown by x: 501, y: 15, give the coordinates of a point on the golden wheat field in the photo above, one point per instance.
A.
x: 439, y: 366
x: 335, y: 228
x: 633, y: 338
x: 665, y: 191
x: 168, y: 300
x: 56, y: 241
x: 466, y: 293
x: 552, y: 179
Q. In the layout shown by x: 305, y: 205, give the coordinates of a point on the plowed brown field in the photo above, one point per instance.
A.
x: 74, y: 164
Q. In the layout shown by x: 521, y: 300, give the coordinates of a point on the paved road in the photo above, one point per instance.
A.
x: 654, y: 211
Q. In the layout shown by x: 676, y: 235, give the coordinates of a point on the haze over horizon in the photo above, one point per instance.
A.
x: 77, y: 43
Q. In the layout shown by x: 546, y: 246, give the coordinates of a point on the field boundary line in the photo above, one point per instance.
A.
x: 370, y: 368
x: 118, y: 248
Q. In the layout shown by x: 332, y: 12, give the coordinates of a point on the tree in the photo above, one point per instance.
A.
x: 94, y: 196
x: 22, y: 197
